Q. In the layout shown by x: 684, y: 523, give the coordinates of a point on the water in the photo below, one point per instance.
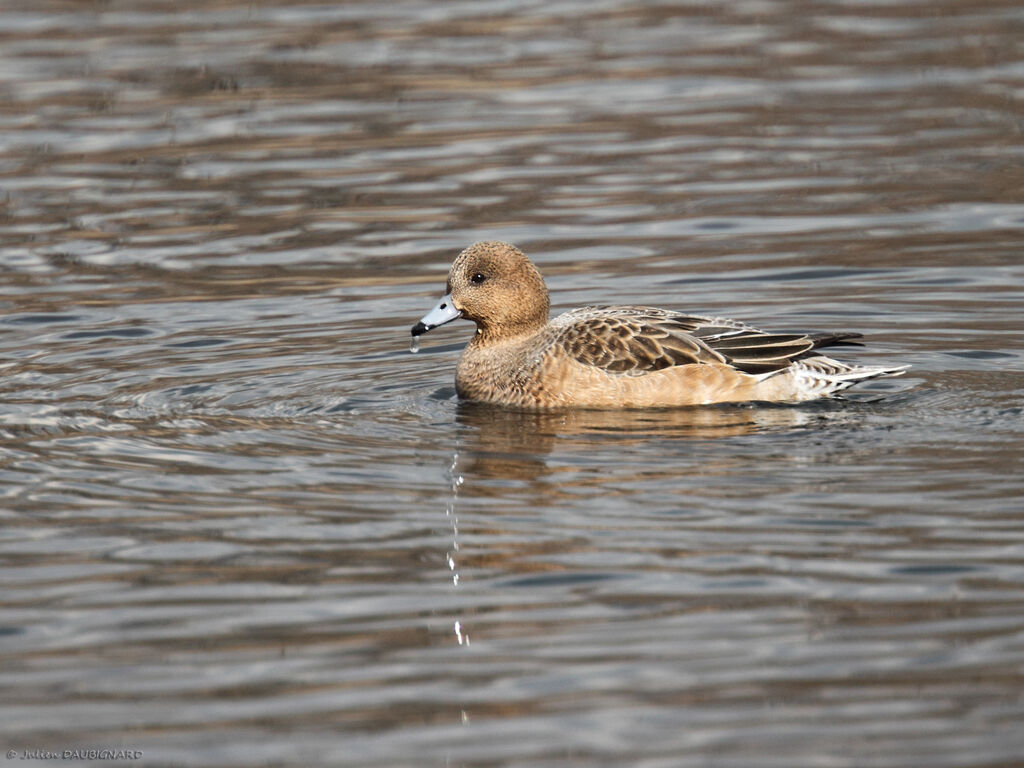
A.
x: 244, y: 526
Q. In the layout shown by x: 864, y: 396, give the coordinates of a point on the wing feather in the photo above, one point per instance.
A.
x: 635, y: 340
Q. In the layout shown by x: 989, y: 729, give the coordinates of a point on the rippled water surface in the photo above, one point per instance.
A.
x: 243, y: 526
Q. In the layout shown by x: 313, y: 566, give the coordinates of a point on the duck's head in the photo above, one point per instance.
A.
x: 496, y: 286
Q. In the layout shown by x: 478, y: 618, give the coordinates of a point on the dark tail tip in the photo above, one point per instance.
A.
x: 840, y: 339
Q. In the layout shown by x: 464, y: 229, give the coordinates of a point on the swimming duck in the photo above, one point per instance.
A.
x: 619, y: 356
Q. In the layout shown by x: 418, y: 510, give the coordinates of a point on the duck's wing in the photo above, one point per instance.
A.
x: 632, y: 339
x: 641, y: 339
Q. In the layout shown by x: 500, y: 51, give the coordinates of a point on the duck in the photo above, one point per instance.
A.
x: 620, y: 356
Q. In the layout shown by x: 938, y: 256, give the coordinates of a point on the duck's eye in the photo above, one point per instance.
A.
x: 478, y: 278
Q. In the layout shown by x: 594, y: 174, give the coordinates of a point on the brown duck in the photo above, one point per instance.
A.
x: 619, y: 357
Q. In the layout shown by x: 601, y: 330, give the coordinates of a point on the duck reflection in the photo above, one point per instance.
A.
x: 498, y: 442
x: 511, y: 468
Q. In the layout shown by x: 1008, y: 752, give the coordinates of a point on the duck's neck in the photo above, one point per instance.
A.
x: 487, y: 336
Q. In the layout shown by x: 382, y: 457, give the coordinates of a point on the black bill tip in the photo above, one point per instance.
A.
x: 420, y: 328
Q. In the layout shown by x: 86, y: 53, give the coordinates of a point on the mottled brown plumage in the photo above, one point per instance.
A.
x: 627, y: 356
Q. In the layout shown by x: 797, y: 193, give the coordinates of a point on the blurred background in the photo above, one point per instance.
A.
x: 242, y: 525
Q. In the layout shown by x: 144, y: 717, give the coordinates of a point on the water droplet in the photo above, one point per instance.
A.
x: 414, y: 345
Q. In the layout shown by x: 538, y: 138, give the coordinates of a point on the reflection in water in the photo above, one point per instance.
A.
x: 453, y: 519
x: 500, y: 442
x: 451, y: 556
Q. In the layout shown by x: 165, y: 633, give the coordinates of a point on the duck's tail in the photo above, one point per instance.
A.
x: 820, y: 376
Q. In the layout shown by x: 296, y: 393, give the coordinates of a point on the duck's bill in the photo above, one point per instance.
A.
x: 443, y: 313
